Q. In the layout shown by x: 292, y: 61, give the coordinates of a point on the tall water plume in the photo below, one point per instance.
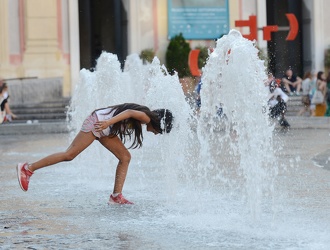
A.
x: 238, y: 143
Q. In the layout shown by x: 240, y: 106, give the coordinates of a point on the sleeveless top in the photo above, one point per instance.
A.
x: 105, y: 114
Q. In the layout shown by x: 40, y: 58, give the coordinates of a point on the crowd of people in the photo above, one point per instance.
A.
x: 6, y: 115
x: 314, y: 89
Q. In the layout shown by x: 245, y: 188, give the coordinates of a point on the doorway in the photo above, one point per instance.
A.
x: 283, y: 54
x: 102, y: 27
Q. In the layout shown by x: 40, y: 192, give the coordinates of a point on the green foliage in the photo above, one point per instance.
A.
x: 203, y: 56
x: 263, y: 56
x: 327, y: 58
x: 147, y: 55
x: 177, y: 56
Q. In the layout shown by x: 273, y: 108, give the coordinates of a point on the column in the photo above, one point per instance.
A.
x: 319, y: 46
x: 74, y: 42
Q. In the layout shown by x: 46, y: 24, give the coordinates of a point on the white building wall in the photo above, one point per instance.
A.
x: 257, y: 8
x: 262, y: 22
x: 247, y: 8
x: 319, y: 35
x: 322, y: 34
x: 14, y: 34
x: 140, y: 25
x: 147, y: 28
x: 74, y: 42
x: 3, y: 35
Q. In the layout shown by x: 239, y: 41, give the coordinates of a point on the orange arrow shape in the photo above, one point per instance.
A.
x: 294, y: 27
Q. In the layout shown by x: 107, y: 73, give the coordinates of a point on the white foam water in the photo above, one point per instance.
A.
x: 233, y: 80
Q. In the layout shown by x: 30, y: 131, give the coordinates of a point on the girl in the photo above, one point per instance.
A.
x: 306, y: 88
x: 111, y: 126
x: 321, y: 85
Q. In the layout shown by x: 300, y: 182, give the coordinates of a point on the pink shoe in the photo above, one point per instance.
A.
x: 119, y: 199
x: 23, y: 175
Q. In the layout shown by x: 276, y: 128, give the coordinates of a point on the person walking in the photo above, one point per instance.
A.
x: 111, y: 126
x: 321, y: 86
x: 306, y: 88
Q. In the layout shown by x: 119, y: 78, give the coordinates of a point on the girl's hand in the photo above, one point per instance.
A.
x: 101, y: 125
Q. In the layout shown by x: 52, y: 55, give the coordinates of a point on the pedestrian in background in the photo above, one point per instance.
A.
x: 321, y: 86
x: 6, y: 115
x: 306, y: 86
x: 291, y: 82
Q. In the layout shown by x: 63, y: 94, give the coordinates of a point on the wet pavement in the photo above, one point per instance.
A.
x: 67, y: 209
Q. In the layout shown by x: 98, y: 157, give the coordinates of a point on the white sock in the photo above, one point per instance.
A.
x: 115, y: 194
x: 27, y: 167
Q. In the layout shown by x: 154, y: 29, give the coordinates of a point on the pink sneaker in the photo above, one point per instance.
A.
x: 23, y: 175
x: 119, y: 199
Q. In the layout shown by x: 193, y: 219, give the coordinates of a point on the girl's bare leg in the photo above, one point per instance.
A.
x: 302, y: 111
x: 81, y: 142
x: 287, y: 87
x: 8, y: 111
x: 115, y: 146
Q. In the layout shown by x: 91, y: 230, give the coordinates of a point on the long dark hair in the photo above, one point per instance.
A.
x: 160, y: 120
x: 319, y: 75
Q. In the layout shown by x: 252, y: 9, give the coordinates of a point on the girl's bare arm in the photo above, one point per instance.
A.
x: 138, y: 115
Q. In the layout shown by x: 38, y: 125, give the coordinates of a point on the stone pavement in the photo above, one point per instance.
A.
x: 63, y: 211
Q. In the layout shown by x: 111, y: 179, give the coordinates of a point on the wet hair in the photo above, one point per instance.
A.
x: 164, y: 122
x: 160, y: 120
x: 3, y: 86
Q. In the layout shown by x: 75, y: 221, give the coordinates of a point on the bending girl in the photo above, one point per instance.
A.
x: 111, y: 126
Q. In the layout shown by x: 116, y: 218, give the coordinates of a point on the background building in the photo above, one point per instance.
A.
x: 56, y: 38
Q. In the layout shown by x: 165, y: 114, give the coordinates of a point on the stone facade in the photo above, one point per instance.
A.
x: 34, y: 43
x: 34, y: 90
x: 40, y: 38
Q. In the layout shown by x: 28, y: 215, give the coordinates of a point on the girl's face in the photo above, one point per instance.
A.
x: 150, y: 128
x: 323, y: 76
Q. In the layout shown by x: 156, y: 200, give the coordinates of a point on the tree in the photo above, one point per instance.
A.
x: 177, y: 56
x: 147, y: 55
x: 203, y: 56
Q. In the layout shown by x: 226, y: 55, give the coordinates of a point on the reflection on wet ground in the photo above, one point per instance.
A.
x: 322, y: 159
x: 64, y: 209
